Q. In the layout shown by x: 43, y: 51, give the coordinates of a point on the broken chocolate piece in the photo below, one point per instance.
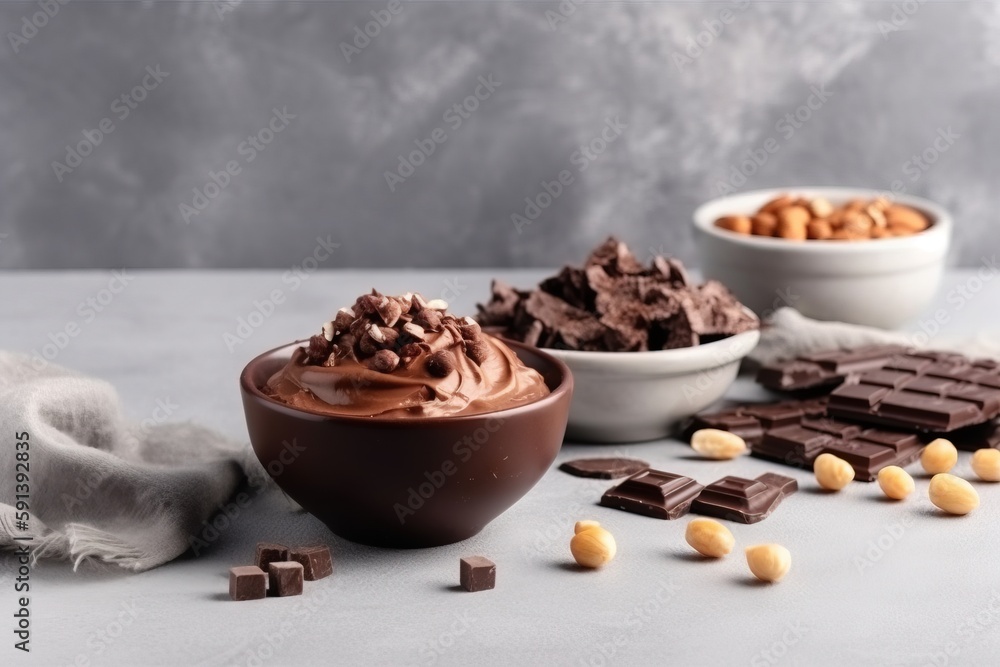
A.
x: 477, y: 573
x: 744, y: 500
x: 247, y: 582
x: 662, y: 495
x: 609, y: 468
x: 316, y: 561
x: 268, y: 553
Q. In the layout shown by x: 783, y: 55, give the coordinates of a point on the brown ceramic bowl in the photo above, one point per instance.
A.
x: 406, y: 482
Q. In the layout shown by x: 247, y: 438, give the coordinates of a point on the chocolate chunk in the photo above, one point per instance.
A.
x: 440, y: 364
x: 825, y: 369
x: 796, y: 432
x: 477, y: 574
x: 316, y: 561
x: 247, y: 582
x: 576, y: 327
x: 597, y: 468
x: 615, y: 258
x: 924, y: 391
x: 662, y: 495
x: 744, y: 500
x: 285, y: 579
x: 571, y: 286
x: 268, y: 553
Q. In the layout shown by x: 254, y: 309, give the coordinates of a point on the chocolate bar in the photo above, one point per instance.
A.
x: 661, y: 495
x: 477, y: 573
x: 926, y: 391
x: 796, y: 432
x: 744, y: 500
x: 610, y: 468
x: 751, y: 421
x: 825, y: 369
x: 887, y: 385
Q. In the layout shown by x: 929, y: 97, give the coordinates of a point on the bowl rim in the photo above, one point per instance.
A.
x: 555, y: 395
x: 677, y: 361
x: 941, y: 224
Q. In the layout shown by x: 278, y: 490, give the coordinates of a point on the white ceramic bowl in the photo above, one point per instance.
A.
x: 636, y: 396
x: 880, y: 282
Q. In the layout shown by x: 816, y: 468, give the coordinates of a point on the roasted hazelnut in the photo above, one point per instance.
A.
x: 343, y: 320
x: 469, y: 328
x: 477, y: 349
x: 428, y: 319
x: 389, y: 310
x: 367, y: 304
x: 318, y: 349
x: 440, y: 364
x: 384, y: 361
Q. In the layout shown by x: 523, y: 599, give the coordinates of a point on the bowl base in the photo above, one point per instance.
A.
x: 386, y: 540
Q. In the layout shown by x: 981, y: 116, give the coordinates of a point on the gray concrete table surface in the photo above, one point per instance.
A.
x: 872, y: 581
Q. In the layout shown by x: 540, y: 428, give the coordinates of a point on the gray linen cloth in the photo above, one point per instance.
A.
x: 787, y: 333
x: 100, y: 487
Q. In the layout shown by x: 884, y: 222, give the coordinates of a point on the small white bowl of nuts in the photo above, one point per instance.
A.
x: 845, y: 254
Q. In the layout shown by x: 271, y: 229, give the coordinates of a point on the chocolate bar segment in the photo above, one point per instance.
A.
x: 924, y: 391
x: 662, y: 495
x: 247, y: 582
x: 825, y: 369
x: 796, y: 432
x: 316, y: 561
x: 609, y: 468
x: 744, y: 500
x: 477, y: 573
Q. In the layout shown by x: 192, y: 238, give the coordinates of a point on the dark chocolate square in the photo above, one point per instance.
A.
x: 247, y: 582
x: 285, y: 578
x: 744, y: 500
x: 477, y: 573
x: 316, y: 561
x: 268, y: 552
x: 655, y: 493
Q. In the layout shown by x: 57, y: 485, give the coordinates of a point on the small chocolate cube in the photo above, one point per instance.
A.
x: 316, y: 561
x: 285, y: 578
x: 247, y: 582
x: 268, y: 553
x: 478, y: 574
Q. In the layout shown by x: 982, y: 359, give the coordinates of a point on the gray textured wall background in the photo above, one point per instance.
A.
x: 688, y: 124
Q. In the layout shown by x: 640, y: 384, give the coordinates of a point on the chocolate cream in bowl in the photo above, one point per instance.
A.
x: 404, y: 357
